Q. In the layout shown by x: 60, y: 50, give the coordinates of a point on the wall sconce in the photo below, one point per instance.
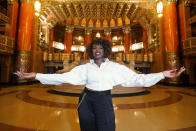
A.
x: 37, y: 7
x: 160, y: 9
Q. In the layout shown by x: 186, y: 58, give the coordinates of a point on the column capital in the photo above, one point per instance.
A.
x: 88, y: 31
x: 170, y: 1
x: 69, y: 29
x: 126, y: 29
x: 187, y: 3
x: 28, y: 1
x: 11, y: 1
x: 107, y: 31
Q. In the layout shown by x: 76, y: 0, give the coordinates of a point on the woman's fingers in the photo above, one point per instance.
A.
x: 182, y: 69
x: 19, y: 74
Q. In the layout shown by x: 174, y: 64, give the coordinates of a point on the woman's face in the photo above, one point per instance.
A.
x: 98, y: 51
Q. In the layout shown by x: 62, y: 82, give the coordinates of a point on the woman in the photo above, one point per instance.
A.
x: 95, y: 106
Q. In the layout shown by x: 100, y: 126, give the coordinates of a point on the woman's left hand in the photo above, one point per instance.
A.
x: 173, y: 73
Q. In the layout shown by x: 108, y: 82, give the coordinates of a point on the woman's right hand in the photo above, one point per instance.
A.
x: 25, y: 75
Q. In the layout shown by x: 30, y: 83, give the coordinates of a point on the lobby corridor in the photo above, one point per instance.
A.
x: 54, y: 108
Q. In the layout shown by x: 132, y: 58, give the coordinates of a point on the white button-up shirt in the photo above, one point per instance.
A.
x: 101, y: 78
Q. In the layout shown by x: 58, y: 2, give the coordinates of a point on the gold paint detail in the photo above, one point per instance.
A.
x: 126, y: 29
x: 65, y: 56
x: 23, y: 62
x: 189, y: 46
x: 69, y: 29
x: 28, y: 1
x: 6, y: 44
x: 187, y: 3
x: 107, y: 31
x: 171, y: 1
x: 173, y: 62
x: 88, y: 31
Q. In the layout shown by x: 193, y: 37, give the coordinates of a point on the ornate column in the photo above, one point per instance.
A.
x: 51, y: 40
x: 107, y: 33
x: 87, y: 36
x: 171, y: 37
x: 68, y: 38
x: 88, y: 40
x: 145, y: 40
x: 24, y: 36
x: 127, y: 39
x: 12, y: 14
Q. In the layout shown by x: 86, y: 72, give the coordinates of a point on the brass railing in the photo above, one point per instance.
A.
x: 6, y: 44
x: 189, y: 46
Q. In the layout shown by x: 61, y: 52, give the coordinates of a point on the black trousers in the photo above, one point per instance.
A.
x: 96, y: 112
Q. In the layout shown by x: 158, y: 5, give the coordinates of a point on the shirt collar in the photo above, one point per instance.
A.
x: 93, y: 62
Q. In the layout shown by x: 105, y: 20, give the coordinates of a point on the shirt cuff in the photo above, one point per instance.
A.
x: 162, y: 75
x: 37, y: 76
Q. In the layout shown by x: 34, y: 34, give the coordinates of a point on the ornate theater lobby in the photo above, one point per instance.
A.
x: 99, y: 42
x: 39, y: 107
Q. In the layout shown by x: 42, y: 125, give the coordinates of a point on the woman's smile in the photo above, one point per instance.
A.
x: 98, y: 52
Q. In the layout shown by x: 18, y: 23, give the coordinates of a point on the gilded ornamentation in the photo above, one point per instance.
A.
x: 69, y: 29
x: 6, y: 44
x: 126, y: 29
x: 173, y: 62
x: 187, y: 3
x: 107, y: 31
x: 23, y: 62
x: 171, y: 1
x: 88, y: 31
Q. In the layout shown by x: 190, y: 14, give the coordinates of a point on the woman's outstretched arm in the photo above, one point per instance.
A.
x: 76, y: 76
x: 128, y: 78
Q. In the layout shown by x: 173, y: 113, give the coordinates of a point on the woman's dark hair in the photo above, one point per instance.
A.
x: 104, y: 43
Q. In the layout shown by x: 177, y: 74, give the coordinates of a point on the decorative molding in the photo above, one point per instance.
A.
x: 11, y: 1
x: 172, y: 1
x: 187, y: 3
x: 173, y: 62
x: 23, y: 62
x: 69, y: 29
x: 6, y: 44
x: 107, y: 31
x: 28, y: 1
x: 88, y: 31
x: 126, y: 29
x: 4, y: 18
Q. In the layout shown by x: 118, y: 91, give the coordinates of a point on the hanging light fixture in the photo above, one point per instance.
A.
x: 37, y: 7
x: 98, y: 35
x: 160, y: 9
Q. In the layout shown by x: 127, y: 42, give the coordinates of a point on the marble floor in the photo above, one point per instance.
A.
x: 39, y: 107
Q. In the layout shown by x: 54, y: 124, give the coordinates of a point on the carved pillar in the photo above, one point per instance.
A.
x: 107, y: 33
x: 87, y: 40
x: 145, y: 40
x: 12, y: 14
x: 51, y: 39
x: 171, y: 38
x: 24, y: 36
x: 68, y: 38
x: 127, y: 39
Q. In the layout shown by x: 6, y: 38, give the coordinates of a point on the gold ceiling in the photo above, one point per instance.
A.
x: 98, y: 13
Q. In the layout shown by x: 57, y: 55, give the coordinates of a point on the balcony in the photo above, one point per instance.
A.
x: 6, y: 45
x: 3, y: 15
x: 189, y: 47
